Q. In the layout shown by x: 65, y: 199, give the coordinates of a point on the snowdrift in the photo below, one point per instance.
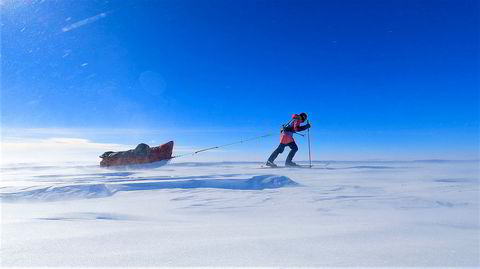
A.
x: 87, y: 191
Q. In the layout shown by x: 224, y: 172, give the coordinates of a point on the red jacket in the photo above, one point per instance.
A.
x: 286, y: 136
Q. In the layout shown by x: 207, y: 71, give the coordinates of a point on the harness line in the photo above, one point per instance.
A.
x: 221, y: 146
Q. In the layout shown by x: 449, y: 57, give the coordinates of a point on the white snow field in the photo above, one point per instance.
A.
x: 391, y: 214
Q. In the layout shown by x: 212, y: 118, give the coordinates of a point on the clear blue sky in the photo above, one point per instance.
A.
x: 376, y: 77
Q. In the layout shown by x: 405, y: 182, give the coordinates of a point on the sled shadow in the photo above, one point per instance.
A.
x: 138, y: 166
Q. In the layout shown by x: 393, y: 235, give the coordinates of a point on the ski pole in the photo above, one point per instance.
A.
x: 309, y: 155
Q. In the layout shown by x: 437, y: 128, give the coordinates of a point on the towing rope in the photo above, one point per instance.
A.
x: 221, y: 146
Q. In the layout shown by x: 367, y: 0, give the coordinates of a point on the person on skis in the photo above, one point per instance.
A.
x: 286, y: 139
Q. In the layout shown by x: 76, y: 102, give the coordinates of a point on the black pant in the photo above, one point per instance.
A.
x: 280, y: 148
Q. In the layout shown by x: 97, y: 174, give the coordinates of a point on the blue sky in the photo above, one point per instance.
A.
x: 379, y: 79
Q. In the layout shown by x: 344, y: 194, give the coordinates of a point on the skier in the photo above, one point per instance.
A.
x: 286, y: 139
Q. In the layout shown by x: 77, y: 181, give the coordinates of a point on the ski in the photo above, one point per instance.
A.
x: 298, y: 166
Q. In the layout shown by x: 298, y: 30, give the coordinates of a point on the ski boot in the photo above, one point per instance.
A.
x: 271, y: 164
x: 291, y: 164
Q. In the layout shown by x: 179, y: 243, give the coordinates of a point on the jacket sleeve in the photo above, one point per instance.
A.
x: 303, y: 128
x: 288, y: 129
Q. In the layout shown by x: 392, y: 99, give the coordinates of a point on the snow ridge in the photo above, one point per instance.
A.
x: 88, y: 191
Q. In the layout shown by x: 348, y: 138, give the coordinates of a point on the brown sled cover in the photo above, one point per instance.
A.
x: 141, y: 154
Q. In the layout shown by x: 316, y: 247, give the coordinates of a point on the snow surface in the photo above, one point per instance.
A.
x: 237, y: 214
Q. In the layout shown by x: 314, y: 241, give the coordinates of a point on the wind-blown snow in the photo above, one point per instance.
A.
x: 84, y: 22
x: 78, y: 191
x: 236, y: 214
